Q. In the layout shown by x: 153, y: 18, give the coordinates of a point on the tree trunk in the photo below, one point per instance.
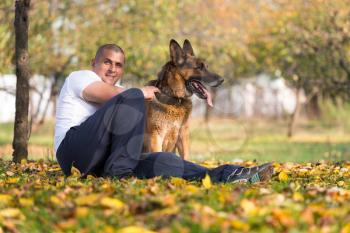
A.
x: 20, y: 138
x: 313, y: 107
x: 295, y: 115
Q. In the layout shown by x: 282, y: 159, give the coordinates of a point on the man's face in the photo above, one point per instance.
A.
x: 109, y: 66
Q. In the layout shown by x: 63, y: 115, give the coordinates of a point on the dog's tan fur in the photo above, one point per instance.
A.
x: 167, y: 116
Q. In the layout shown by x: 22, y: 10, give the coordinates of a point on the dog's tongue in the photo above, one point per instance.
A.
x: 209, y: 98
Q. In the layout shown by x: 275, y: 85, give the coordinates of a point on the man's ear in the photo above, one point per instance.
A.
x: 176, y: 54
x: 187, y: 48
x: 93, y: 62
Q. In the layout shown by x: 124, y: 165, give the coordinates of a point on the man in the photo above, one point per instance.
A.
x: 100, y: 129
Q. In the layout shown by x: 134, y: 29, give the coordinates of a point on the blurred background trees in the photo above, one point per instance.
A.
x: 306, y: 42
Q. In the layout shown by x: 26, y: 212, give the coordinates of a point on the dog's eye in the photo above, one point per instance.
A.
x: 200, y: 66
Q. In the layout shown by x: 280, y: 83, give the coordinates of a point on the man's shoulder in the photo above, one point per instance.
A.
x: 82, y: 74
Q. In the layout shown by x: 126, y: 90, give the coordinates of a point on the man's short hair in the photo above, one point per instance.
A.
x: 113, y: 47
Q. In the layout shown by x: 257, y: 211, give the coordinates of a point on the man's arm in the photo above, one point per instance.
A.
x: 100, y: 92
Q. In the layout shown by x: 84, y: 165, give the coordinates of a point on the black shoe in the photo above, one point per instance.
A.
x: 251, y: 174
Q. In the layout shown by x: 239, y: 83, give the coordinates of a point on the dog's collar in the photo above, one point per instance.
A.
x: 170, y: 100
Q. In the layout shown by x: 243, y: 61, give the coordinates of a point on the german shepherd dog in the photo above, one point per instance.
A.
x: 167, y: 116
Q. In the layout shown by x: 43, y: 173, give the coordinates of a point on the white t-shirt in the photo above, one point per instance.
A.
x: 72, y: 109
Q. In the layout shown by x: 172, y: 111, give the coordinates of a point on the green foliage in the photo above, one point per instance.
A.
x: 309, y: 43
x: 6, y: 36
x: 306, y: 42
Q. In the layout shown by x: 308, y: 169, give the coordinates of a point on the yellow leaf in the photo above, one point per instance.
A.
x: 177, y: 181
x: 134, y: 229
x: 81, y: 212
x: 75, y: 172
x: 60, y: 184
x: 341, y: 183
x: 23, y: 161
x: 86, y: 200
x: 13, y: 180
x: 54, y: 169
x: 277, y: 167
x: 249, y: 207
x: 26, y: 202
x: 10, y: 213
x: 297, y: 196
x: 113, y: 203
x: 209, y: 163
x: 206, y: 182
x: 239, y: 225
x: 108, y: 229
x: 90, y: 177
x: 346, y: 228
x: 5, y: 199
x: 55, y: 200
x: 191, y: 189
x: 283, y: 176
x: 302, y: 172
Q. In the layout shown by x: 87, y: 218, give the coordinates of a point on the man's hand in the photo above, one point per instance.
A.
x: 149, y: 92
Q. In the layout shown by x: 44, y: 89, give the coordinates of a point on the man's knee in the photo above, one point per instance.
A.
x: 133, y: 93
x: 132, y: 97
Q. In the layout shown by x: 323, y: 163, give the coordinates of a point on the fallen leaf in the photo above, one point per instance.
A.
x: 346, y: 228
x: 239, y: 225
x: 5, y: 199
x: 134, y: 229
x: 10, y: 213
x: 177, y: 181
x: 249, y: 207
x: 297, y: 196
x: 191, y: 189
x: 87, y: 200
x: 27, y: 202
x: 283, y: 176
x: 207, y: 182
x: 81, y: 212
x: 12, y: 180
x: 113, y: 203
x: 10, y: 173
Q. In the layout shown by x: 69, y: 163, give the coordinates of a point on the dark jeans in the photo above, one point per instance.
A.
x: 109, y: 143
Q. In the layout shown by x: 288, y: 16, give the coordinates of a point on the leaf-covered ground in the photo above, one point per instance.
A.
x: 309, y: 197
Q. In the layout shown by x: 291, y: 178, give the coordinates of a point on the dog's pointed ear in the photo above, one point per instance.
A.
x: 176, y: 53
x: 187, y: 48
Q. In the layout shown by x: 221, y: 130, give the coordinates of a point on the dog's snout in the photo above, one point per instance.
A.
x: 218, y: 81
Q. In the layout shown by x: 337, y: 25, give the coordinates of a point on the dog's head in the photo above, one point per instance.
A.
x: 186, y: 74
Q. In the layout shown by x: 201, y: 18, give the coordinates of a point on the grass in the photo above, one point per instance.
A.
x: 230, y: 140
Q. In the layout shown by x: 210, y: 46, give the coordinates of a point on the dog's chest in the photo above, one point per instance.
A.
x: 166, y: 118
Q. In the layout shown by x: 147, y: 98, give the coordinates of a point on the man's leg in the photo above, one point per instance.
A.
x: 170, y: 165
x: 110, y: 141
